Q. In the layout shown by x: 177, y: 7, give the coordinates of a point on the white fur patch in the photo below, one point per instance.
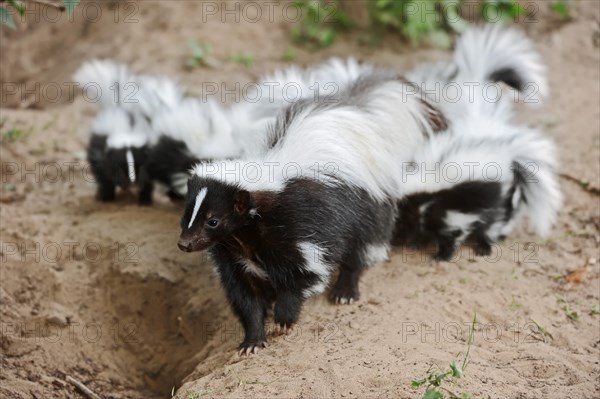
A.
x: 376, y: 253
x: 252, y: 268
x: 199, y: 198
x: 126, y: 139
x: 357, y: 145
x: 459, y: 220
x: 179, y: 183
x: 130, y: 165
x: 314, y: 262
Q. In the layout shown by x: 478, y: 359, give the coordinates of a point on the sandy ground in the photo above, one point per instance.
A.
x: 100, y: 292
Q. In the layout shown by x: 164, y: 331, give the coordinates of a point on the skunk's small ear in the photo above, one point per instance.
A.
x: 242, y: 202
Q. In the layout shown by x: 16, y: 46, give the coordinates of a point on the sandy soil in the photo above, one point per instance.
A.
x: 100, y: 293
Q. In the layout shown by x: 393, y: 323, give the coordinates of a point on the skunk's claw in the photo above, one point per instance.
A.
x: 247, y: 348
x: 280, y: 329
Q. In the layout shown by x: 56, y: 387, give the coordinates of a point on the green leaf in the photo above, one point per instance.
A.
x: 516, y: 10
x: 244, y: 58
x: 7, y: 18
x: 456, y: 368
x: 288, y: 55
x: 439, y: 378
x: 432, y: 393
x: 326, y: 37
x: 561, y: 8
x: 70, y: 6
x: 20, y: 7
x: 418, y: 383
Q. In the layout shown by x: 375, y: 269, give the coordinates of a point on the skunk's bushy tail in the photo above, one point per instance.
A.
x: 537, y: 193
x: 157, y: 94
x: 113, y: 82
x: 495, y: 54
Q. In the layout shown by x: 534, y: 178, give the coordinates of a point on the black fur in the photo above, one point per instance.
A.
x: 167, y: 158
x: 266, y: 228
x: 421, y: 228
x: 508, y: 76
x: 110, y: 168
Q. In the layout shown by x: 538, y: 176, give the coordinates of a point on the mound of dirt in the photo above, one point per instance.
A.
x: 100, y: 293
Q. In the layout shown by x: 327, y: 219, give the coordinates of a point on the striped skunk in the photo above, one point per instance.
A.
x: 321, y: 195
x: 450, y: 216
x: 277, y: 248
x: 118, y: 160
x: 481, y: 133
x: 121, y: 135
x: 474, y: 186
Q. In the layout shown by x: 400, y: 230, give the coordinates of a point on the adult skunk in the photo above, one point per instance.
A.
x: 277, y: 248
x: 321, y: 196
x: 121, y: 135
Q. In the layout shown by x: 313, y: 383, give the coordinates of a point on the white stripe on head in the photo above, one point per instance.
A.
x: 130, y: 165
x: 199, y: 198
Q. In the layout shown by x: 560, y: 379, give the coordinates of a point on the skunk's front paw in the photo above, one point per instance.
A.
x: 247, y: 348
x: 282, y: 328
x: 483, y: 249
x: 342, y: 295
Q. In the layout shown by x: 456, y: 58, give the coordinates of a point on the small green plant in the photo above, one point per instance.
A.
x: 289, y: 55
x: 419, y: 20
x: 568, y: 311
x: 320, y: 22
x: 595, y: 310
x: 561, y: 8
x: 504, y: 11
x: 7, y: 19
x: 244, y: 58
x: 437, y: 376
x: 15, y: 134
x: 514, y: 304
x: 199, y: 53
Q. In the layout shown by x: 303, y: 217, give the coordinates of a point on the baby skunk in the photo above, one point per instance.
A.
x: 117, y: 153
x: 276, y: 249
x: 121, y: 133
x: 497, y: 177
x: 449, y: 217
x: 191, y: 132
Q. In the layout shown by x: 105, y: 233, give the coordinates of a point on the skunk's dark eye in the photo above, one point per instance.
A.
x: 212, y: 223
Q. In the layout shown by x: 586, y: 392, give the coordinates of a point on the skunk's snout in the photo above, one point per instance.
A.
x: 185, y: 245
